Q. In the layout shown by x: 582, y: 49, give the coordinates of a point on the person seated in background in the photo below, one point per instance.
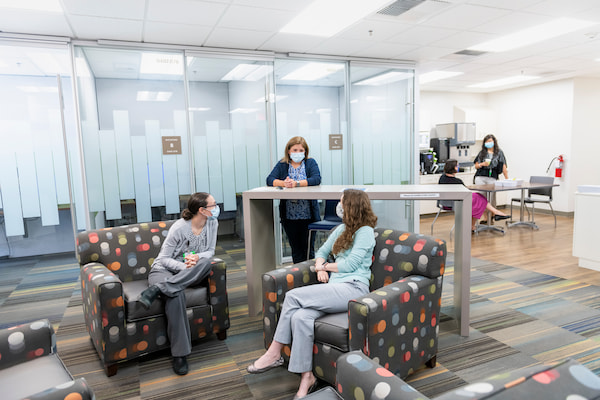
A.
x: 480, y: 203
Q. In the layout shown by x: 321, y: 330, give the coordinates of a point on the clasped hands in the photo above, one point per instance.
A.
x: 191, y: 260
x: 322, y: 275
x: 289, y: 182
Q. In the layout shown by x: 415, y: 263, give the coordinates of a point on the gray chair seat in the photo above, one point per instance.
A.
x: 332, y: 330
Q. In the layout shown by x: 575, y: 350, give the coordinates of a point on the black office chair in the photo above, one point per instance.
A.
x: 329, y: 221
x: 543, y: 195
x: 443, y: 205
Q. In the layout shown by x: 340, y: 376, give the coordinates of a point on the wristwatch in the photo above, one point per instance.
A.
x: 323, y: 265
x: 297, y: 183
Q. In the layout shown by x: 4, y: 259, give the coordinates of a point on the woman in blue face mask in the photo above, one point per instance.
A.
x: 490, y: 162
x: 294, y: 170
x: 184, y: 260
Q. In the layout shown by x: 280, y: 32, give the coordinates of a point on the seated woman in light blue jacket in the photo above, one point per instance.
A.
x: 347, y: 278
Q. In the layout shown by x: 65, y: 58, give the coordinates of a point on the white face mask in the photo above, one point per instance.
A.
x: 297, y: 157
x: 339, y: 210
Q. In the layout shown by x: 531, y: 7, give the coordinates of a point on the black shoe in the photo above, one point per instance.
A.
x: 180, y: 365
x: 501, y: 217
x: 149, y: 295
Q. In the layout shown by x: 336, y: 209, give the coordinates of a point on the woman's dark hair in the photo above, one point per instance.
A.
x: 357, y: 213
x: 450, y: 166
x: 197, y: 201
x: 484, y: 149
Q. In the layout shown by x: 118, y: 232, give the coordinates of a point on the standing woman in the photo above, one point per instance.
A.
x: 184, y: 260
x: 295, y: 169
x: 347, y: 278
x: 490, y: 162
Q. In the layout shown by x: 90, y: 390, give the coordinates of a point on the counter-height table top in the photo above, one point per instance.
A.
x: 259, y: 231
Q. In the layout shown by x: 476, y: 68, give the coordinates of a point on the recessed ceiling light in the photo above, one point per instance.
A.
x: 162, y: 64
x: 534, y: 34
x: 35, y: 5
x: 436, y: 76
x: 145, y: 95
x: 247, y: 72
x: 328, y: 17
x: 504, y: 81
x: 313, y: 71
x: 385, y: 78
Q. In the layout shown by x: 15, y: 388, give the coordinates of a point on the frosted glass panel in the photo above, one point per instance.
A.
x: 11, y: 201
x: 155, y: 168
x: 170, y: 179
x: 123, y: 151
x: 140, y: 176
x: 110, y: 177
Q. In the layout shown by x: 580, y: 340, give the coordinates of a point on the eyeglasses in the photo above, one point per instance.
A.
x: 210, y: 205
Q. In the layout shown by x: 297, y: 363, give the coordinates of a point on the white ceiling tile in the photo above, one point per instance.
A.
x: 130, y: 9
x: 106, y: 28
x: 562, y: 8
x: 465, y: 17
x: 383, y: 50
x: 340, y: 47
x: 237, y: 38
x: 464, y: 40
x: 422, y: 35
x: 160, y: 32
x: 185, y: 12
x: 32, y: 22
x: 506, y: 4
x: 372, y: 29
x: 291, y: 43
x: 288, y: 5
x: 514, y: 22
x: 426, y: 53
x: 254, y: 18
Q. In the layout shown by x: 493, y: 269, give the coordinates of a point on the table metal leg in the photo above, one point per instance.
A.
x: 521, y: 221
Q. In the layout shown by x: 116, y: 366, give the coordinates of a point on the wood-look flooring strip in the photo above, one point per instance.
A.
x: 548, y: 250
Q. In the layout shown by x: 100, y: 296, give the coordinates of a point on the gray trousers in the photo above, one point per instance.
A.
x: 301, y: 307
x: 171, y: 286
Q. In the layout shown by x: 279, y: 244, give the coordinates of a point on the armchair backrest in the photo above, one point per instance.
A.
x: 399, y: 254
x: 128, y: 251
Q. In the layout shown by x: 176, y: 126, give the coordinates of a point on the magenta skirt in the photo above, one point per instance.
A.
x: 479, y: 205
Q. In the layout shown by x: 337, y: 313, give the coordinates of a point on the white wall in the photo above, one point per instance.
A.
x: 532, y: 124
x: 585, y: 138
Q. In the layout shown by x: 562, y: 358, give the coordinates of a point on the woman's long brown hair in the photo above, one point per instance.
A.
x: 357, y: 213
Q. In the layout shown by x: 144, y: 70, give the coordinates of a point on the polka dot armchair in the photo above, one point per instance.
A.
x: 115, y: 263
x: 360, y: 377
x: 31, y: 368
x: 397, y: 323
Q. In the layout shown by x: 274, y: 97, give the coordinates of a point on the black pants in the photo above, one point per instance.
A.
x: 297, y: 233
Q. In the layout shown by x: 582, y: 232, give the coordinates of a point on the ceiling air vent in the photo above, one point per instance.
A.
x: 399, y: 7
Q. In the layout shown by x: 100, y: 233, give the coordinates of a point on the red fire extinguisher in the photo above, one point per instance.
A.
x: 559, y: 166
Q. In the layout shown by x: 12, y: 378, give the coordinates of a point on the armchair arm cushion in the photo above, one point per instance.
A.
x: 276, y: 284
x: 217, y: 281
x: 104, y: 310
x: 398, y: 324
x: 359, y: 377
x: 77, y: 389
x: 26, y: 342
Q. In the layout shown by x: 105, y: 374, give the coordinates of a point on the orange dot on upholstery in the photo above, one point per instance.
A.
x: 162, y: 224
x: 381, y: 326
x: 272, y: 296
x: 386, y: 373
x: 73, y: 396
x: 122, y: 354
x: 119, y: 301
x: 143, y: 345
x: 422, y: 318
x: 404, y: 236
x: 442, y: 268
x: 213, y: 286
x: 289, y: 278
x: 93, y: 237
x: 287, y: 350
x: 115, y: 266
x: 387, y: 280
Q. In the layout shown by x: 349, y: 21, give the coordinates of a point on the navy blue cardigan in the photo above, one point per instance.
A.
x: 313, y: 177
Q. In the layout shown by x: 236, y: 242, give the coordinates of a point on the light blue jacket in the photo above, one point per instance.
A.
x: 355, y: 262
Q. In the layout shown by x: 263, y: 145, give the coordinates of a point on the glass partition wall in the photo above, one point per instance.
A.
x: 156, y: 125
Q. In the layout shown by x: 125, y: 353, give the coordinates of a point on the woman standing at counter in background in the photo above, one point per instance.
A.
x: 295, y: 169
x: 490, y: 162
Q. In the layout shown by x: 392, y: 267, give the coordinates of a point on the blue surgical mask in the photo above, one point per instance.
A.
x: 339, y: 210
x: 489, y: 145
x: 215, y: 212
x: 297, y: 157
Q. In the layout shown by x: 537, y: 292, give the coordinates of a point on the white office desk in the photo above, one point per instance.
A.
x: 260, y: 244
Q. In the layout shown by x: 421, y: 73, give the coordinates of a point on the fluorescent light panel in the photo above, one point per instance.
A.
x: 384, y: 79
x: 35, y: 5
x: 145, y: 95
x: 328, y: 17
x: 436, y: 76
x: 247, y: 72
x: 313, y: 71
x: 533, y: 35
x: 162, y: 64
x: 504, y: 81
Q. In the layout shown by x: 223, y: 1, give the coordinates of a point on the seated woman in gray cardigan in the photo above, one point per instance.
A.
x: 184, y: 260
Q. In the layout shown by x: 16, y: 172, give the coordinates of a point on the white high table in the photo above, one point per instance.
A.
x: 259, y: 231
